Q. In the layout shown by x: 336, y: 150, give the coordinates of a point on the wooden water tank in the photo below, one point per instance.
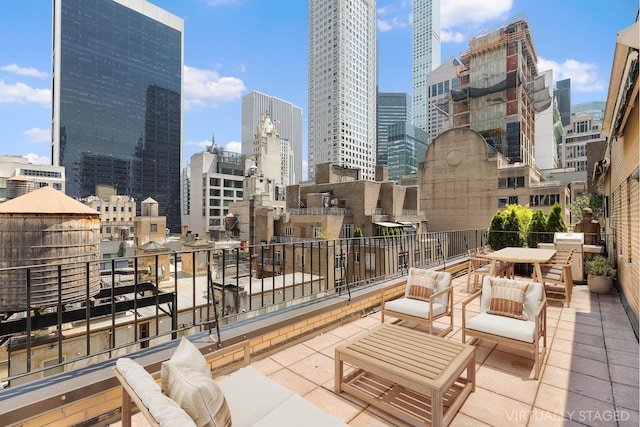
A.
x: 55, y: 236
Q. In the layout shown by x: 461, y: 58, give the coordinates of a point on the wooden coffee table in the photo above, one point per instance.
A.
x: 408, y: 373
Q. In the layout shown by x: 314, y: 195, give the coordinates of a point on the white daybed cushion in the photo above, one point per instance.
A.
x: 296, y: 411
x: 414, y: 307
x: 167, y: 412
x: 521, y: 330
x: 199, y: 395
x: 186, y: 354
x: 256, y: 400
x: 251, y: 396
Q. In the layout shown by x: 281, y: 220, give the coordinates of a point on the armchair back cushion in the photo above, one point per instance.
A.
x: 508, y: 299
x: 434, y: 280
x: 532, y: 297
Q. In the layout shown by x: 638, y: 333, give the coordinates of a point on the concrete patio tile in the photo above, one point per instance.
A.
x: 627, y: 418
x: 507, y: 384
x: 347, y: 331
x: 316, y: 367
x: 584, y: 350
x: 624, y: 358
x: 322, y: 341
x: 626, y: 396
x: 578, y: 364
x: 578, y: 383
x: 367, y: 322
x: 266, y: 366
x: 292, y: 354
x: 575, y: 407
x: 579, y: 328
x: 334, y: 404
x: 293, y: 381
x: 540, y: 418
x: 617, y: 343
x: 462, y: 420
x: 367, y: 418
x: 494, y: 409
x: 517, y: 365
x: 624, y: 375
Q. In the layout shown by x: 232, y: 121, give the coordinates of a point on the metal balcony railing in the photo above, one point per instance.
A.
x: 147, y: 300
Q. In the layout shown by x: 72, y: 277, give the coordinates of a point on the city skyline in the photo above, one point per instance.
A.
x: 269, y: 54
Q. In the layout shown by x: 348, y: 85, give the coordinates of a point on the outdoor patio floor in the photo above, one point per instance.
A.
x: 589, y: 375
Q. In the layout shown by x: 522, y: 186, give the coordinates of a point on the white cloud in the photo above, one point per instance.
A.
x: 234, y: 146
x: 20, y: 93
x: 36, y: 159
x: 449, y: 36
x: 37, y: 135
x: 206, y: 87
x: 201, y: 144
x: 23, y: 71
x: 458, y: 13
x: 584, y: 76
x: 394, y: 16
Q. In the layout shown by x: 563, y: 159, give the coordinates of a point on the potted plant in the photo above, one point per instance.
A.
x: 600, y: 274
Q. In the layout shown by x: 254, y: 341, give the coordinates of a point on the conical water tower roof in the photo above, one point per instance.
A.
x: 46, y: 200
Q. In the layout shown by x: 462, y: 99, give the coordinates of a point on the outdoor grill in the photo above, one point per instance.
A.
x: 568, y: 241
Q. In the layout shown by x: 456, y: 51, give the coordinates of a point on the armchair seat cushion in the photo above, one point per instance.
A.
x: 414, y: 307
x: 519, y: 330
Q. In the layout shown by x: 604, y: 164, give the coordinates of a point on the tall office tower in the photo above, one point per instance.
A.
x: 546, y: 141
x: 117, y: 85
x: 342, y: 84
x: 439, y: 84
x: 392, y: 108
x: 562, y: 93
x: 501, y: 91
x: 286, y: 117
x: 425, y: 55
x: 407, y: 148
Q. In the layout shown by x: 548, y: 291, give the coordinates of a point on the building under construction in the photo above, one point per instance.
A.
x: 500, y: 90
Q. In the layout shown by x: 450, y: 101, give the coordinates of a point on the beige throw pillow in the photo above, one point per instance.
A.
x: 199, y: 396
x: 186, y: 354
x: 422, y: 285
x: 508, y: 299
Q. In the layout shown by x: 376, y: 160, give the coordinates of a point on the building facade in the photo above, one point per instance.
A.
x: 392, y: 108
x: 501, y: 91
x: 117, y: 85
x: 117, y: 213
x: 31, y: 176
x: 440, y: 82
x: 342, y: 84
x: 285, y: 116
x: 619, y: 171
x: 216, y: 179
x: 425, y: 55
x: 464, y: 181
x: 582, y: 130
x: 594, y: 107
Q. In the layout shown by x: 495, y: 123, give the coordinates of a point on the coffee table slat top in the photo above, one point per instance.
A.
x: 408, y: 353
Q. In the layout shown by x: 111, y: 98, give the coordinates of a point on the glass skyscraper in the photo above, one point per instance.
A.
x: 342, y: 85
x: 425, y: 55
x: 393, y: 108
x: 117, y: 100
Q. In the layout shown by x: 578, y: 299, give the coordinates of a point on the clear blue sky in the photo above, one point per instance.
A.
x: 232, y: 47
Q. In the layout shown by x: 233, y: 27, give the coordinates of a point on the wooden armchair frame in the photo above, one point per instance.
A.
x: 540, y: 332
x: 392, y: 292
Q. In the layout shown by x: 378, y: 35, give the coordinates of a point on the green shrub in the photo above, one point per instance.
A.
x: 537, y: 229
x: 600, y: 266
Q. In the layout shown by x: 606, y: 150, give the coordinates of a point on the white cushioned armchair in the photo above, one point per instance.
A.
x: 428, y: 296
x: 515, y: 315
